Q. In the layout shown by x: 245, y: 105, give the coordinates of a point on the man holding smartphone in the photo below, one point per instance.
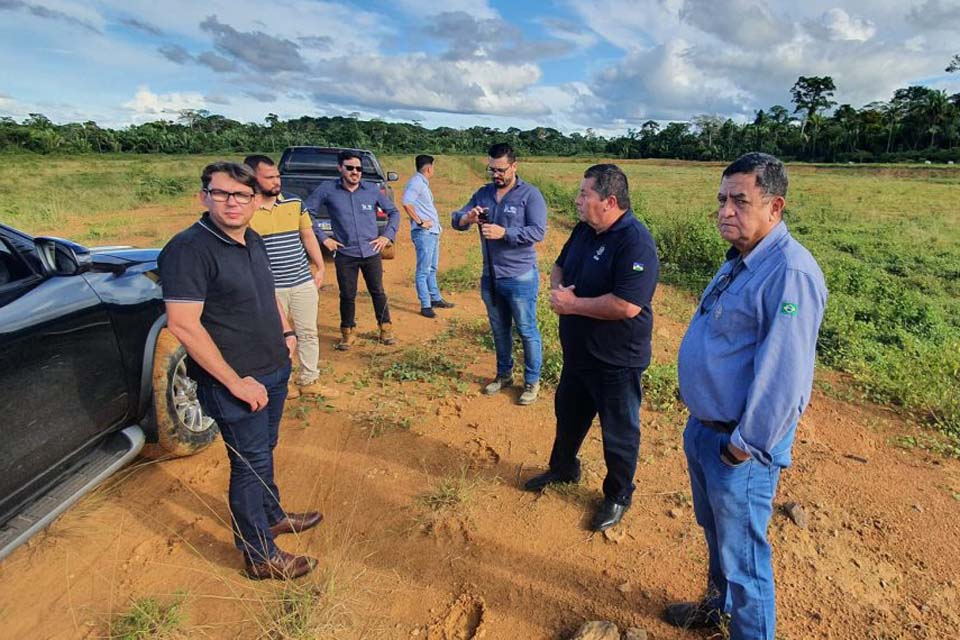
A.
x: 512, y: 216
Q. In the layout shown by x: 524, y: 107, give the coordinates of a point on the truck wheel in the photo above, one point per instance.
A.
x: 182, y: 427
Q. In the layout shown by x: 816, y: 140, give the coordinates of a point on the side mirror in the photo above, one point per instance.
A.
x: 63, y: 258
x: 392, y: 176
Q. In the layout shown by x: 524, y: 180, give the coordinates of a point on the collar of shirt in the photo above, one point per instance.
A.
x: 363, y: 186
x: 207, y: 223
x: 763, y: 249
x: 516, y: 188
x: 618, y: 224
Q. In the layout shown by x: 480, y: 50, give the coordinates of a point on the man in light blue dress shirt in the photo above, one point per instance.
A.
x: 746, y: 373
x: 425, y: 234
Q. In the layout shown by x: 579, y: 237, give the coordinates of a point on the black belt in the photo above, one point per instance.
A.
x: 723, y: 427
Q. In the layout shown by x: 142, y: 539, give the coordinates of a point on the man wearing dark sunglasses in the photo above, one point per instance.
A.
x: 221, y: 305
x: 746, y: 372
x: 356, y: 241
x: 512, y: 216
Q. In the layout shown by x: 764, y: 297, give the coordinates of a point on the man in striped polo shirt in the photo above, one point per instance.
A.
x: 287, y: 231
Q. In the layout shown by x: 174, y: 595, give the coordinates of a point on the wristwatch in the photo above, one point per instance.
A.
x: 289, y: 334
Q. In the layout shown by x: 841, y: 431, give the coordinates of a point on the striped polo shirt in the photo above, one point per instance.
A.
x: 280, y: 227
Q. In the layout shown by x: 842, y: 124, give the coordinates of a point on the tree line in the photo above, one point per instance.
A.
x: 917, y: 124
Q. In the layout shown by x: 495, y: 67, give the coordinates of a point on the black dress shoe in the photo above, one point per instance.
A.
x: 540, y: 482
x: 609, y: 514
x: 428, y: 312
x: 442, y: 304
x: 692, y: 615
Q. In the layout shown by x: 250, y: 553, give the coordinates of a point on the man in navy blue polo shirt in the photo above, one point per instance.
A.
x: 602, y: 287
x: 356, y: 241
x: 221, y: 305
x: 746, y: 372
x: 512, y: 216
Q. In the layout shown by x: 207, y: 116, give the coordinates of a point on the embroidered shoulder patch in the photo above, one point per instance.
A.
x: 789, y: 309
x: 638, y: 266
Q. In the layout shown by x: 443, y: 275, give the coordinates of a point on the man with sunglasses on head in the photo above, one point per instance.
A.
x: 221, y: 305
x: 746, y: 372
x: 512, y: 216
x: 356, y: 241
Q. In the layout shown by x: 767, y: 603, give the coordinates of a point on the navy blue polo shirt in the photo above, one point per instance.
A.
x: 235, y: 285
x: 623, y: 261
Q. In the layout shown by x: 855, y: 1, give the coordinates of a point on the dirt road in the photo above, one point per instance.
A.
x: 426, y: 534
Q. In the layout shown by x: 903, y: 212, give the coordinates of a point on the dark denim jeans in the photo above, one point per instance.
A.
x: 348, y: 270
x: 250, y: 438
x: 427, y: 246
x: 733, y: 504
x: 615, y: 394
x: 514, y: 301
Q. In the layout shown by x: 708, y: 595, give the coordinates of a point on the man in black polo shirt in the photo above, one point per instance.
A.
x: 221, y: 305
x: 602, y: 287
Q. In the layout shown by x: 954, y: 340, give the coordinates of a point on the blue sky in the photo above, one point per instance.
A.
x: 607, y: 65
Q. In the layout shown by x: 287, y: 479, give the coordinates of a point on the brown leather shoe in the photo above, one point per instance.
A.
x: 282, y: 566
x: 296, y: 523
x: 315, y: 388
x: 348, y: 336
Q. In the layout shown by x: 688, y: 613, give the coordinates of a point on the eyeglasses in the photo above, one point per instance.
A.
x: 498, y: 170
x: 353, y: 167
x: 219, y: 195
x: 723, y: 282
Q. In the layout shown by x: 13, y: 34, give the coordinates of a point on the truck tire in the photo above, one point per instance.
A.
x: 182, y: 427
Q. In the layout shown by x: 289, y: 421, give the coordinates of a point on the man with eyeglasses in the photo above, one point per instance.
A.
x: 287, y: 231
x: 512, y: 216
x: 356, y: 242
x: 221, y: 305
x: 746, y: 373
x: 602, y: 287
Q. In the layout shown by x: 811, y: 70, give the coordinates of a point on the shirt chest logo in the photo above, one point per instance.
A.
x: 599, y: 252
x: 510, y: 209
x: 366, y: 207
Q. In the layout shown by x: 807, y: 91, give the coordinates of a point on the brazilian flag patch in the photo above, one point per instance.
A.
x: 638, y: 266
x: 789, y: 309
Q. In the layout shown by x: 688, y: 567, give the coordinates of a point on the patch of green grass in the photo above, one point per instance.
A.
x: 464, y: 277
x: 149, y: 619
x: 387, y: 416
x: 420, y: 364
x: 661, y: 391
x: 889, y: 247
x: 448, y: 494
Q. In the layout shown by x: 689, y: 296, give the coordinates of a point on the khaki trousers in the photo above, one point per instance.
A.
x: 300, y: 304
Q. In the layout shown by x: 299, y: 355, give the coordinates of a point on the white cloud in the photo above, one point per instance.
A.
x: 150, y: 104
x: 842, y: 26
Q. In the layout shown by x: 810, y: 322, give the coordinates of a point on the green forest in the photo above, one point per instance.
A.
x: 917, y: 124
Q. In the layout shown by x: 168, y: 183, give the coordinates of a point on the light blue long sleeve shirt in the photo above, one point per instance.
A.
x: 523, y: 213
x: 417, y: 194
x: 748, y: 355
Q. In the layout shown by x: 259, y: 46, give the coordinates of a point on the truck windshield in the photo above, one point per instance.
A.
x: 307, y: 159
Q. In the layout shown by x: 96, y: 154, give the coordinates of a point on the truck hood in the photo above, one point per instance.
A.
x: 127, y: 254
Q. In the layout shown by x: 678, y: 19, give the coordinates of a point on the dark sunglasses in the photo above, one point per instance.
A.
x: 353, y: 167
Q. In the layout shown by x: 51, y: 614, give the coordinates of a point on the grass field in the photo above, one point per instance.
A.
x: 887, y: 238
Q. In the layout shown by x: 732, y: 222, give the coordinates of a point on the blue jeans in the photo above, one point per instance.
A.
x: 615, y: 394
x: 250, y: 438
x: 514, y: 301
x: 427, y: 246
x: 733, y: 504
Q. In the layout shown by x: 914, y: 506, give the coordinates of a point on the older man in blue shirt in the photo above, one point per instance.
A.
x: 356, y: 241
x: 746, y: 372
x: 512, y: 216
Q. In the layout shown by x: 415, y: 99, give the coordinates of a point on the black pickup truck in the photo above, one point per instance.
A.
x: 89, y: 376
x: 302, y: 169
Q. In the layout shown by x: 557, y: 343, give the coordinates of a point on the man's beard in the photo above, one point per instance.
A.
x: 273, y: 193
